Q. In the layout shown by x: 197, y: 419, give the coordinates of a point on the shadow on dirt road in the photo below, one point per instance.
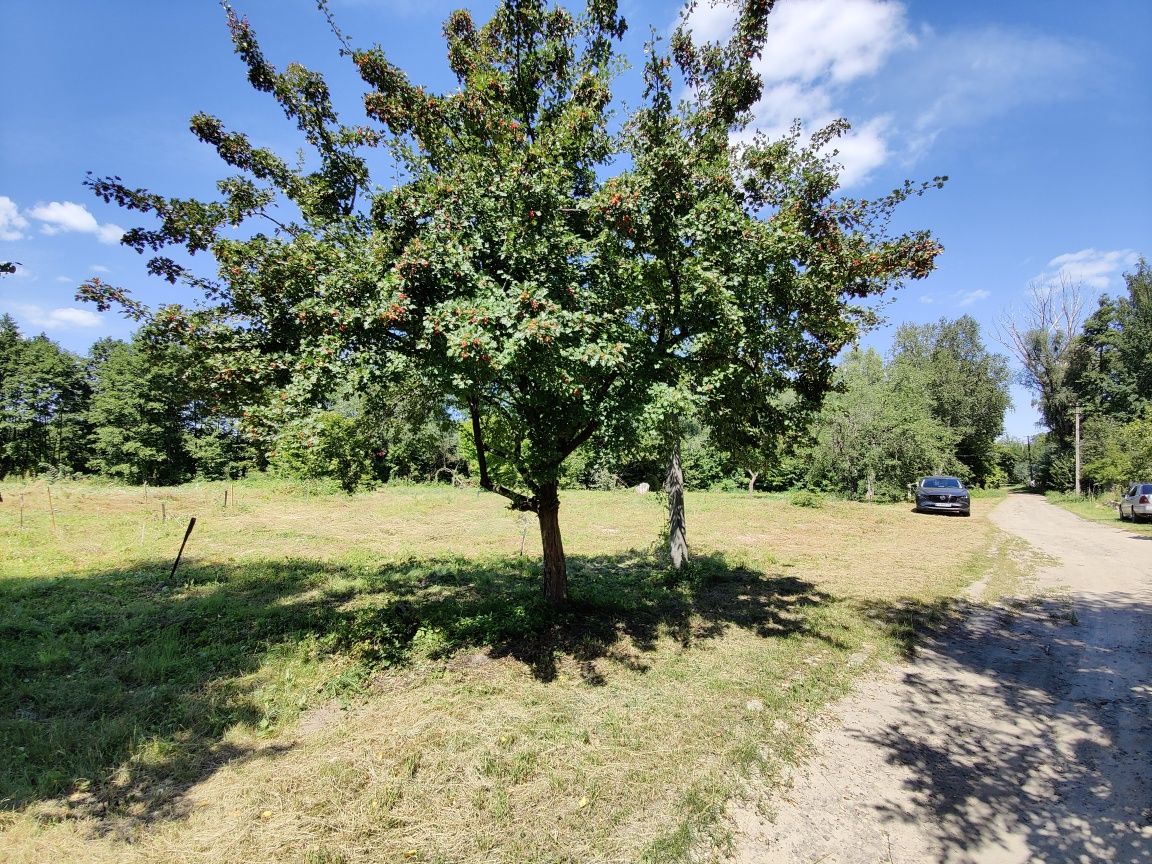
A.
x: 1022, y: 738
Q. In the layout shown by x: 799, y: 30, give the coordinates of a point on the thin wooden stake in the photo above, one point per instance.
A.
x: 180, y: 554
x: 145, y: 490
x: 225, y: 499
x: 232, y: 488
x: 21, y: 511
x: 51, y: 509
x: 163, y: 513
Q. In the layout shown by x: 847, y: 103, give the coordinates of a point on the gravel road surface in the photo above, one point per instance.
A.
x: 1023, y: 735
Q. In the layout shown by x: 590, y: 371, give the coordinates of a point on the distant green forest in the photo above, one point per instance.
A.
x: 144, y: 411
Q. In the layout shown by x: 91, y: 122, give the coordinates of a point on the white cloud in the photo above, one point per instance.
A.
x: 1091, y: 267
x: 12, y: 224
x: 813, y: 51
x: 861, y: 150
x: 61, y: 216
x: 712, y: 22
x: 812, y: 39
x: 100, y: 268
x: 927, y: 299
x: 971, y: 77
x: 834, y: 40
x: 901, y: 85
x: 63, y: 318
x: 65, y: 279
x: 967, y: 298
x: 786, y: 101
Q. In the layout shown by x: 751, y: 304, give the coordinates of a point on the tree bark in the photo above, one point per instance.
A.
x: 478, y: 438
x: 752, y: 475
x: 555, y: 567
x: 674, y: 486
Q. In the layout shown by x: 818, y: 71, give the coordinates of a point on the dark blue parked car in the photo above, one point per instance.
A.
x: 943, y: 495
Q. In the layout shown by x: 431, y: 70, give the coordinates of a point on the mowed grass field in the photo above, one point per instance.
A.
x: 373, y: 677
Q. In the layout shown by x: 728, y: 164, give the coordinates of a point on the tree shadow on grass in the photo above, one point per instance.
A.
x: 118, y: 689
x: 909, y: 621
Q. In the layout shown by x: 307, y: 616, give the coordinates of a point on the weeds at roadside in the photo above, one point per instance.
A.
x: 1100, y: 509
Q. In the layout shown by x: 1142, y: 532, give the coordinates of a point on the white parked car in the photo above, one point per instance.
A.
x: 1137, y: 502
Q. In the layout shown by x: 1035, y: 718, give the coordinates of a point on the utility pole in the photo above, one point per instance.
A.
x: 1077, y: 451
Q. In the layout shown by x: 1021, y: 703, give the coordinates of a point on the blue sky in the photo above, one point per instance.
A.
x: 1038, y: 110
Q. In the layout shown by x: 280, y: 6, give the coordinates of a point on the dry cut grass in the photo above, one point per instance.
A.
x: 372, y: 678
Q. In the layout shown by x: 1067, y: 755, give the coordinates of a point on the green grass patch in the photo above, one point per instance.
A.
x: 1100, y: 509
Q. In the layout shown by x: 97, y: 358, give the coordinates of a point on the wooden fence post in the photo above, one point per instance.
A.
x: 180, y: 554
x: 51, y: 509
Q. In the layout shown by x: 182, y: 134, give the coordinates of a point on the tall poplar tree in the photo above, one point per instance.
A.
x: 967, y: 386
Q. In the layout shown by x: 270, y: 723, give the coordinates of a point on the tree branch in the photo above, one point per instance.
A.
x: 519, y: 500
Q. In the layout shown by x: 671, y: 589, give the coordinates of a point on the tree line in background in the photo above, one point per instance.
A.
x: 138, y: 411
x: 1097, y: 364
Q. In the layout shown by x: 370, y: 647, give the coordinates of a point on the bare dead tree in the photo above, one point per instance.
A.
x: 1042, y: 338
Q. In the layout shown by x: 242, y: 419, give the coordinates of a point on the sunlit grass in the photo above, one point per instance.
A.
x: 1100, y: 509
x: 334, y: 678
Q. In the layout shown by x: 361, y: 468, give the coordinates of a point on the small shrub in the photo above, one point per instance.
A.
x: 889, y: 492
x: 807, y: 498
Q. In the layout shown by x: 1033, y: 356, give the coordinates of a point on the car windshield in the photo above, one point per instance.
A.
x: 1145, y: 489
x: 941, y: 483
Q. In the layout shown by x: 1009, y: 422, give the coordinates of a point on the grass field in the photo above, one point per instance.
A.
x: 1102, y: 510
x: 373, y: 678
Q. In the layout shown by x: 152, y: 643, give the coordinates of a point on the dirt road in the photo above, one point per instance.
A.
x: 1024, y: 735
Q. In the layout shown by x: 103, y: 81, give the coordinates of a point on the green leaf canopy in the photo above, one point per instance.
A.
x: 514, y: 265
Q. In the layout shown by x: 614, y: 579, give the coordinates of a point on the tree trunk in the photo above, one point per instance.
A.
x: 478, y: 437
x: 555, y: 569
x: 871, y: 493
x: 752, y: 475
x: 674, y: 486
